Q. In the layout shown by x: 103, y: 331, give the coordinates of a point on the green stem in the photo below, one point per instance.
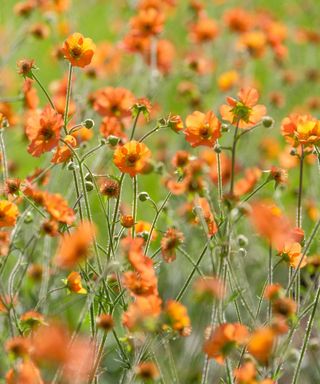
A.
x: 3, y: 157
x: 188, y: 281
x: 66, y: 111
x: 306, y: 338
x: 43, y: 90
x: 233, y: 157
x: 134, y: 125
x: 134, y: 207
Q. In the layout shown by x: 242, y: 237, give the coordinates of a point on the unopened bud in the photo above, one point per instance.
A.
x: 71, y: 166
x: 113, y: 140
x: 267, y: 122
x: 242, y: 240
x: 144, y: 196
x: 217, y: 148
x: 88, y: 123
x: 89, y: 186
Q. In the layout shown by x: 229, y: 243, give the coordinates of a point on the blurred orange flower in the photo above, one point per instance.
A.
x: 8, y: 214
x: 75, y: 248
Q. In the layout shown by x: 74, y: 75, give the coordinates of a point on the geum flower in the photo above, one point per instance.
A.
x: 78, y: 50
x: 301, y: 130
x: 75, y: 248
x: 244, y: 111
x: 202, y: 129
x: 43, y: 131
x: 132, y: 158
x: 224, y: 339
x: 8, y: 214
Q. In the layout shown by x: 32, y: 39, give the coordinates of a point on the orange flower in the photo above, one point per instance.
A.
x: 228, y: 80
x: 271, y: 223
x: 144, y: 226
x: 223, y: 339
x: 25, y: 67
x: 32, y: 319
x: 57, y: 208
x: 204, y: 30
x: 19, y: 346
x: 261, y: 344
x: 144, y: 310
x: 63, y: 152
x: 113, y: 102
x: 238, y: 20
x: 244, y: 110
x: 246, y: 374
x: 211, y: 287
x: 147, y: 371
x: 111, y: 126
x: 202, y: 129
x: 132, y: 157
x: 291, y: 252
x: 148, y: 22
x: 78, y: 50
x: 254, y: 42
x: 74, y: 283
x: 43, y: 131
x: 301, y: 129
x: 105, y: 322
x: 247, y: 184
x: 52, y: 345
x: 25, y: 373
x: 8, y: 214
x: 75, y: 248
x: 177, y: 317
x: 169, y: 243
x: 207, y: 215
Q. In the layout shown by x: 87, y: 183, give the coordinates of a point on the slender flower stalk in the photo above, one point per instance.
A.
x: 306, y: 337
x: 43, y: 90
x: 233, y: 157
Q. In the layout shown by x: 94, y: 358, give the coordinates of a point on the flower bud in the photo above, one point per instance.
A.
x: 88, y: 177
x: 71, y: 166
x: 217, y: 148
x: 225, y: 127
x: 29, y: 218
x: 242, y: 240
x: 113, y: 140
x: 267, y: 122
x: 88, y: 123
x: 144, y: 196
x: 293, y: 152
x: 89, y: 186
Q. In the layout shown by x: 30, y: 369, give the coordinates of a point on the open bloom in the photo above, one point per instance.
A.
x: 113, y: 102
x: 169, y: 243
x: 223, y: 339
x: 291, y: 252
x: 74, y: 283
x: 8, y: 214
x: 261, y: 344
x: 301, y: 129
x: 75, y: 248
x: 177, y: 317
x: 43, y: 131
x: 132, y: 157
x: 202, y: 129
x: 78, y: 50
x: 243, y: 111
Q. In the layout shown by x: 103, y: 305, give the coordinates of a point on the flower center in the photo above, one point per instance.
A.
x: 76, y: 51
x: 132, y: 159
